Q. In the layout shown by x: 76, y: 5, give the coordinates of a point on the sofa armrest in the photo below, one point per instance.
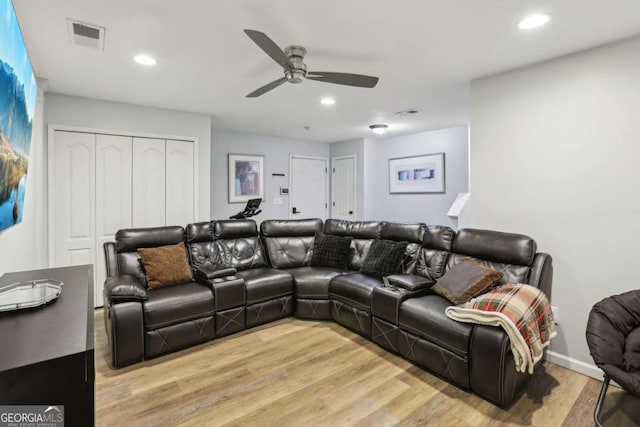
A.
x: 124, y: 323
x: 493, y: 373
x: 541, y: 274
x: 214, y: 272
x: 124, y: 288
x: 410, y: 282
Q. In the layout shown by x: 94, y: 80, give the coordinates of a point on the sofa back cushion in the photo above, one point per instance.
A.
x: 128, y: 241
x: 362, y: 232
x: 201, y: 248
x: 432, y: 256
x: 238, y: 244
x: 512, y: 254
x: 410, y: 233
x: 289, y: 243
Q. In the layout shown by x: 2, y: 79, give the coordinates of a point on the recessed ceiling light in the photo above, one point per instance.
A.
x: 145, y: 60
x: 533, y: 21
x: 327, y: 101
x: 378, y: 129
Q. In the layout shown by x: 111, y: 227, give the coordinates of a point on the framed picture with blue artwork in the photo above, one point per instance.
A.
x: 417, y: 174
x: 246, y: 177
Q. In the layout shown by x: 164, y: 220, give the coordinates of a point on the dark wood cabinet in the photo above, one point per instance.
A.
x: 46, y: 353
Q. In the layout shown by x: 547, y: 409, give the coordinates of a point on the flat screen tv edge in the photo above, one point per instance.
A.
x: 17, y: 105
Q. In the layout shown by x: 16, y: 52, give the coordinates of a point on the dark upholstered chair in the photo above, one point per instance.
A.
x: 613, y: 336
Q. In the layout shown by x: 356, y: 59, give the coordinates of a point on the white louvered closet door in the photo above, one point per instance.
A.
x: 102, y: 183
x: 149, y: 182
x: 180, y: 188
x: 113, y: 197
x: 73, y: 199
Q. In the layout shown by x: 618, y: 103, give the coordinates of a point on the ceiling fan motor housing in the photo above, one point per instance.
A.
x: 296, y: 56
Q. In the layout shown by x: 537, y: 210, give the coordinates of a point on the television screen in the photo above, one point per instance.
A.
x: 17, y: 104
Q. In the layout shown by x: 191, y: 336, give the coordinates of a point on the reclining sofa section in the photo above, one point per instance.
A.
x: 244, y: 278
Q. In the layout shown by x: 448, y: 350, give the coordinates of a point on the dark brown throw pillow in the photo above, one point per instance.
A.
x: 331, y: 251
x: 384, y: 258
x: 466, y: 280
x: 165, y: 265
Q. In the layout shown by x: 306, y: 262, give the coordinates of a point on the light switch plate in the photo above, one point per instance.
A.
x: 278, y: 201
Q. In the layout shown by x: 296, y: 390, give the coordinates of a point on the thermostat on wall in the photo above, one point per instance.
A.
x: 284, y: 191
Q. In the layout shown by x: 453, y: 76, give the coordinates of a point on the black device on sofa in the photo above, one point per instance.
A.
x: 251, y: 209
x: 243, y: 278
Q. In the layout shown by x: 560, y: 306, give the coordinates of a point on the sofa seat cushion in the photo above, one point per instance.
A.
x: 177, y: 303
x: 354, y: 289
x: 313, y: 282
x: 265, y: 283
x: 425, y: 317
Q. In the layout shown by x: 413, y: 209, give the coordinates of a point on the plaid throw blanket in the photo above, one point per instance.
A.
x: 523, y: 311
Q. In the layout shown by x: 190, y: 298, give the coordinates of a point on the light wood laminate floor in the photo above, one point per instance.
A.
x: 309, y: 373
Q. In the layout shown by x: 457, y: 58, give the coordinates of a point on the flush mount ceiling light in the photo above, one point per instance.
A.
x: 378, y: 129
x: 145, y: 60
x: 406, y: 112
x: 327, y: 101
x: 533, y: 21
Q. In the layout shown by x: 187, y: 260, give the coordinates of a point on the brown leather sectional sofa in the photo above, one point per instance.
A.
x: 244, y: 278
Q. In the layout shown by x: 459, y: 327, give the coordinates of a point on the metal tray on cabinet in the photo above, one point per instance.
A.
x: 28, y: 294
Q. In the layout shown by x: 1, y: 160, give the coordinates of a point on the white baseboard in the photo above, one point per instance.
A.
x: 575, y: 365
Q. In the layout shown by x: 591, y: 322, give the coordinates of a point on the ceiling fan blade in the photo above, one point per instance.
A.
x: 266, y: 88
x: 343, y: 78
x: 270, y: 48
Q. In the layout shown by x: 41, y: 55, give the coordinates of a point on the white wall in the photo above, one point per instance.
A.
x: 372, y: 165
x: 555, y: 155
x: 277, y: 152
x: 93, y: 113
x: 428, y: 208
x: 24, y: 246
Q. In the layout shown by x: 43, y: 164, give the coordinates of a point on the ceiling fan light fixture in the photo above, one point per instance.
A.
x: 327, y: 101
x: 145, y: 59
x: 534, y: 21
x: 378, y: 129
x: 291, y: 59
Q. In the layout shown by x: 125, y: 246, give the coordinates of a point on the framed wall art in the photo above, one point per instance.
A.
x: 417, y: 174
x: 246, y: 177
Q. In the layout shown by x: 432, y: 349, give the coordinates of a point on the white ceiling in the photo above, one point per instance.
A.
x: 424, y: 51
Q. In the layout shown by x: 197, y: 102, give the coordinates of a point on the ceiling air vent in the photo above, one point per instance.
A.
x: 85, y: 35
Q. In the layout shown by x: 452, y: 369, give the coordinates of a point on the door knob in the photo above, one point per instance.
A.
x: 350, y: 212
x: 295, y: 211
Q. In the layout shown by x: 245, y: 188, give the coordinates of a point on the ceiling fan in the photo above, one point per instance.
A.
x: 295, y: 71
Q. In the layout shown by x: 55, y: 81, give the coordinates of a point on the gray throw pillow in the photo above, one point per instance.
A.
x: 331, y: 251
x: 384, y: 258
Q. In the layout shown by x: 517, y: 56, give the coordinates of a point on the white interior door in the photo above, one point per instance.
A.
x: 72, y: 199
x: 148, y: 182
x: 180, y: 183
x: 343, y: 187
x: 113, y: 197
x: 308, y: 196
